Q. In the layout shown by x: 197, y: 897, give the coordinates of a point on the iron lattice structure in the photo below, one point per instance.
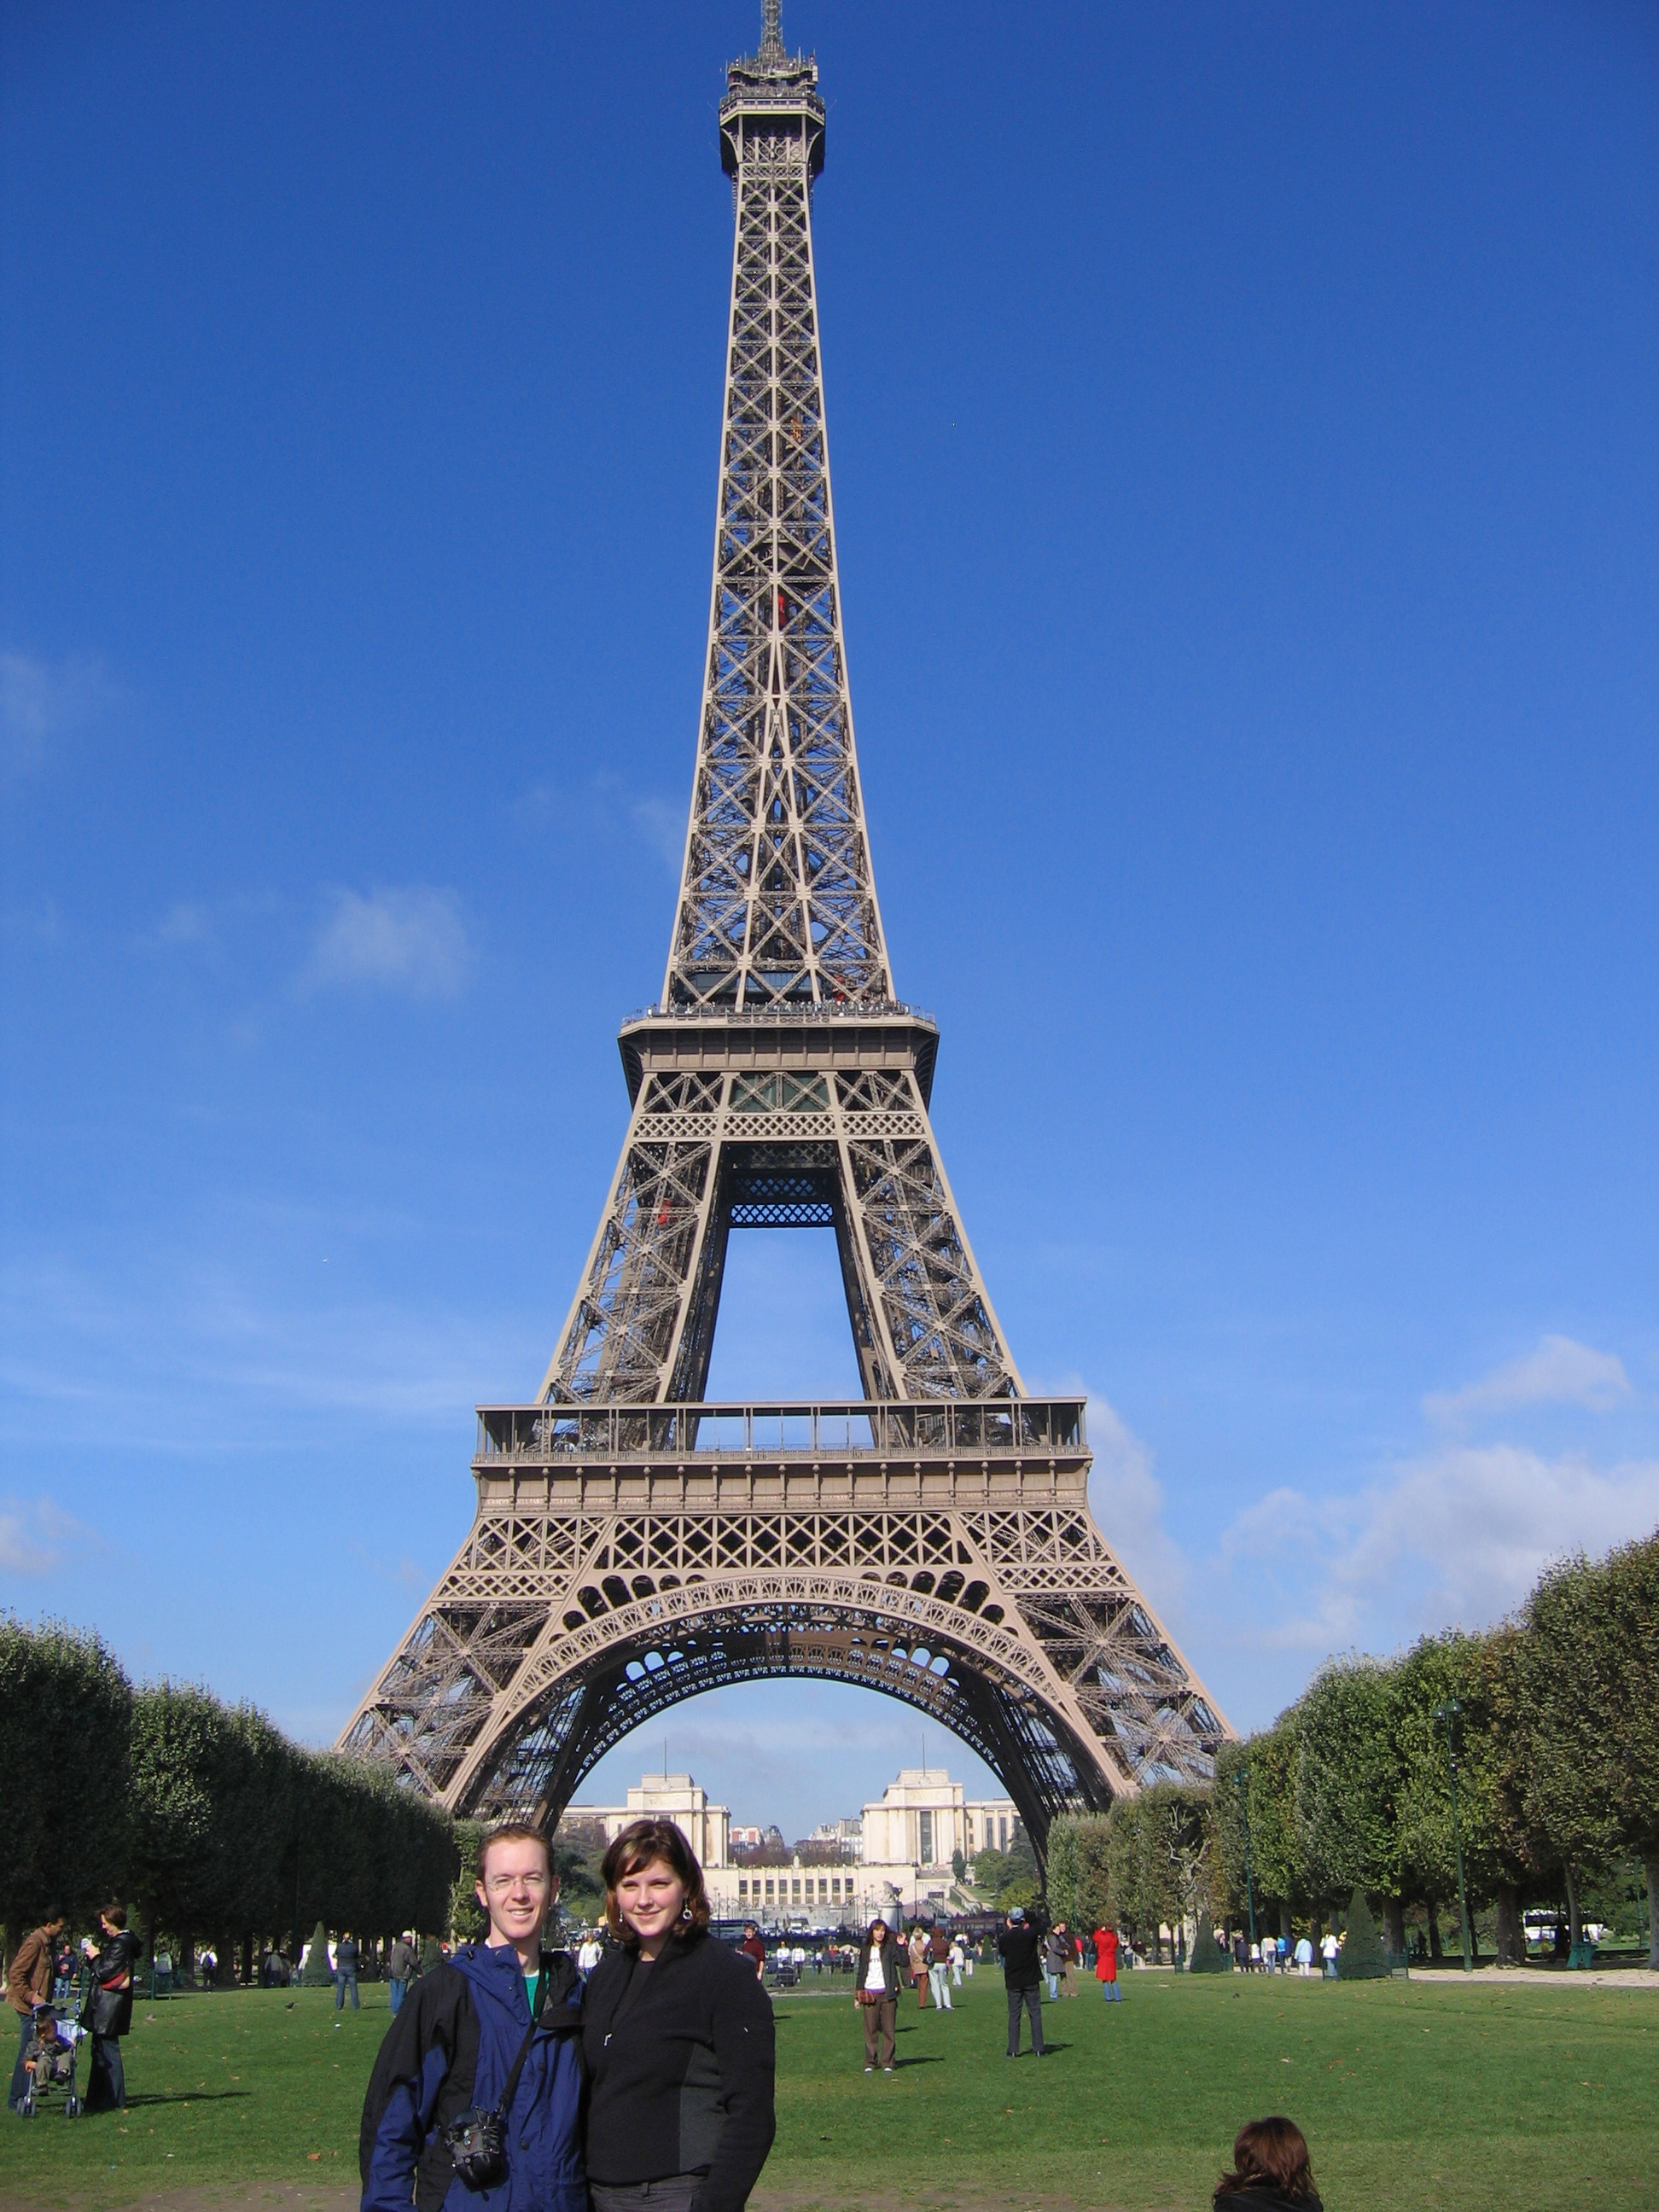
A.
x: 633, y: 1545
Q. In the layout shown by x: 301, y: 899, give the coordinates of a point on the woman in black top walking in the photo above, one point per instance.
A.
x: 678, y: 2035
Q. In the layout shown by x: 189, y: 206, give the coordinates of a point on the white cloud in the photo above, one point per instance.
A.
x: 1126, y: 1499
x: 41, y: 701
x: 186, y: 922
x: 1455, y: 1538
x: 663, y: 827
x: 415, y: 940
x: 36, y: 924
x: 1559, y: 1373
x: 33, y: 1537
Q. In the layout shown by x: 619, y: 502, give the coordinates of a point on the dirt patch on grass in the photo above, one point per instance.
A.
x: 311, y: 2197
x: 255, y: 2197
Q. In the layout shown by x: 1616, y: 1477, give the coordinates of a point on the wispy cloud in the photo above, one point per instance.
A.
x: 186, y: 921
x: 34, y: 925
x: 1558, y: 1372
x: 657, y: 823
x: 1127, y: 1498
x: 415, y: 940
x: 44, y: 700
x: 662, y: 828
x: 34, y: 1535
x: 1127, y: 1501
x: 1454, y: 1538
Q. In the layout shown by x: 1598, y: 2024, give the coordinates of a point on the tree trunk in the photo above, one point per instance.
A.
x: 1511, y: 1938
x: 1572, y: 1906
x: 1394, y: 1925
x: 247, y: 1961
x: 1651, y: 1866
x: 1435, y: 1949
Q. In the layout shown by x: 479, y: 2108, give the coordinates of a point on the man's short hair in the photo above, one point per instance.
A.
x: 512, y: 1831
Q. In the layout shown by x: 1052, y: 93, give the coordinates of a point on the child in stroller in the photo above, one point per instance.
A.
x: 49, y: 2060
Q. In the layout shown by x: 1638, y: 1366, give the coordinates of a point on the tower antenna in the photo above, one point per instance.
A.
x: 771, y: 45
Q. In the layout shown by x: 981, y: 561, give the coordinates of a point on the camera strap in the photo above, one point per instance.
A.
x: 504, y: 2105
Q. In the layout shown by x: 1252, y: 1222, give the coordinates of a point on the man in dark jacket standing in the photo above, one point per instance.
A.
x: 29, y: 1985
x: 1021, y: 1952
x: 109, y: 2009
x: 455, y: 2043
x: 347, y: 1959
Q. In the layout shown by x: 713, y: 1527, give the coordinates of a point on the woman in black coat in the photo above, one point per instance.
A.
x: 1271, y: 2172
x: 108, y: 2009
x: 677, y: 2033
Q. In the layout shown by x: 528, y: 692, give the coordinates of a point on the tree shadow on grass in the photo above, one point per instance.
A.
x: 185, y: 2097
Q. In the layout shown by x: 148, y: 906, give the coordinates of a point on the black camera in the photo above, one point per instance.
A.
x: 476, y: 2143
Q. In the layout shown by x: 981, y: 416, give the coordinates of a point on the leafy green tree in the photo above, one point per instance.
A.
x: 1561, y: 1694
x: 65, y: 1706
x: 1273, y: 1766
x: 1628, y: 1656
x: 1438, y: 1673
x: 1007, y: 1878
x: 176, y: 1748
x: 958, y: 1866
x: 1226, y: 1816
x: 1157, y: 1847
x: 1346, y: 1778
x: 1078, y: 1854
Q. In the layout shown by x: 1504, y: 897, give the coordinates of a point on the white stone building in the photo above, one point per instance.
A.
x: 897, y: 1855
x: 676, y: 1797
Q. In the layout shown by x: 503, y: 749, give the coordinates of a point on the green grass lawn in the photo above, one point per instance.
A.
x: 1457, y: 2096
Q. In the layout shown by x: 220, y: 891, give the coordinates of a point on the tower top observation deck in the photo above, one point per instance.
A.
x: 769, y: 86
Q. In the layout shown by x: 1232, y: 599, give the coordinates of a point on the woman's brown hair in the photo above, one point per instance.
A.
x: 1269, y: 2155
x: 115, y: 1912
x: 641, y: 1843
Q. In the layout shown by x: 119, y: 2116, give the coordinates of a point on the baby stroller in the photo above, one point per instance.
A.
x: 49, y: 2060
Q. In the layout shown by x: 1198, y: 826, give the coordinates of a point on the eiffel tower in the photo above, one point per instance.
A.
x: 634, y: 1545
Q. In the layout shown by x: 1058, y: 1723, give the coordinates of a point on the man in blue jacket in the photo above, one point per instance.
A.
x: 453, y: 2045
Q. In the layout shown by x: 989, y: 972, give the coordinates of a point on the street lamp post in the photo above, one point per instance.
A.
x: 1447, y: 1711
x: 1243, y: 1779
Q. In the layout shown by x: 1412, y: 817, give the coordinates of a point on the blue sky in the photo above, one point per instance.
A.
x: 1247, y: 475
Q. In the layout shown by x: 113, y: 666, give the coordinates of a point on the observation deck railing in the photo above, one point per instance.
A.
x: 828, y: 1010
x: 972, y: 1429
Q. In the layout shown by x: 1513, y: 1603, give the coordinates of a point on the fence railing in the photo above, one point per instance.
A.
x: 851, y: 1428
x: 792, y: 1010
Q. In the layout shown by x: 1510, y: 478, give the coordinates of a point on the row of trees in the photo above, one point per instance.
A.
x: 201, y: 1815
x: 1553, y: 1718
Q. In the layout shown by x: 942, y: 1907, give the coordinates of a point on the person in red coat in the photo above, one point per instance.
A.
x: 1106, y: 1964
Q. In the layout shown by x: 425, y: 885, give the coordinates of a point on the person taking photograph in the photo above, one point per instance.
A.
x: 1019, y: 1945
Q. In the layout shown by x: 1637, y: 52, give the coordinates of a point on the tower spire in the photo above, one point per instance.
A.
x: 771, y: 45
